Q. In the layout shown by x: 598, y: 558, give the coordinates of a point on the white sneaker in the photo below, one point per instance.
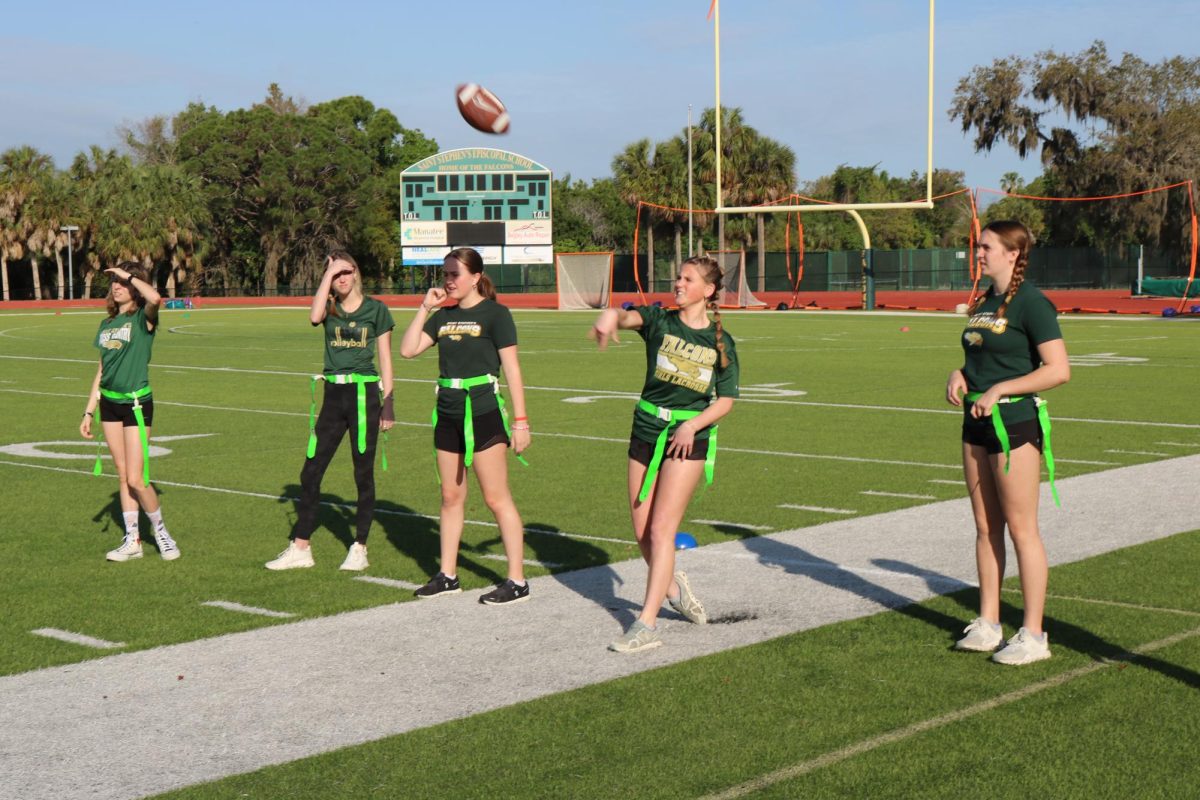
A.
x: 981, y: 636
x: 356, y: 559
x: 292, y: 558
x: 1024, y: 648
x: 687, y: 604
x: 130, y: 548
x: 166, y: 546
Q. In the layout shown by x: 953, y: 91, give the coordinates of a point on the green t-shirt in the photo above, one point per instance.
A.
x: 682, y: 368
x: 125, y: 346
x: 350, y: 338
x: 469, y: 342
x: 999, y: 350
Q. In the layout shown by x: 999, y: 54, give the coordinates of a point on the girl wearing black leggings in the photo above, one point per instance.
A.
x: 357, y: 400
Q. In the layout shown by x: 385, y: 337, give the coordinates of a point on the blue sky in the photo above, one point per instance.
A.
x: 840, y: 81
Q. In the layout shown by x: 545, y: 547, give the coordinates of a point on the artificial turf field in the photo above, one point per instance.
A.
x: 838, y: 412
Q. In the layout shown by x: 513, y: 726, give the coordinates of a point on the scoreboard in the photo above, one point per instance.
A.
x: 493, y: 200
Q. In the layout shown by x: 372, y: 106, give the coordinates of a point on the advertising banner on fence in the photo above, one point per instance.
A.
x: 415, y: 234
x: 423, y: 256
x: 527, y: 231
x: 529, y: 254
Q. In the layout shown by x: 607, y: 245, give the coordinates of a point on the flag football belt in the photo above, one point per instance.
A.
x: 136, y: 397
x: 466, y: 384
x: 673, y: 417
x: 1043, y: 415
x: 360, y: 384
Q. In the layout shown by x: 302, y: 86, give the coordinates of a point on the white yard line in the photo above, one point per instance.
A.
x: 823, y: 509
x: 392, y: 582
x: 77, y: 638
x: 924, y: 726
x: 716, y: 523
x: 873, y: 493
x: 278, y: 498
x: 238, y: 607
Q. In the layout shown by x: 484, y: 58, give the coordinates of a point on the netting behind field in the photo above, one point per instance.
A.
x: 584, y: 280
x: 736, y: 291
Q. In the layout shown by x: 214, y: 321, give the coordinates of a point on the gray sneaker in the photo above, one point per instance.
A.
x: 687, y: 604
x: 640, y: 636
x: 981, y: 636
x: 1024, y: 648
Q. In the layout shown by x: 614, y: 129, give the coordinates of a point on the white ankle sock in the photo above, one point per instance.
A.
x: 157, y: 520
x: 131, y: 523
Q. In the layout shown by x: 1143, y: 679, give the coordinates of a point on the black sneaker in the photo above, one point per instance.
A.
x: 439, y: 585
x: 507, y: 592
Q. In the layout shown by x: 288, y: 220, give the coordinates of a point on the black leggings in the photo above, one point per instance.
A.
x: 339, y: 414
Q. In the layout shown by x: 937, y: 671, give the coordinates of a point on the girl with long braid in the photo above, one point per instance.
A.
x: 1014, y: 349
x: 691, y: 382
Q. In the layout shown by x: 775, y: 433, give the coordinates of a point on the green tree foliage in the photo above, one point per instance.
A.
x: 1100, y: 128
x: 945, y: 225
x: 283, y: 187
x: 590, y: 217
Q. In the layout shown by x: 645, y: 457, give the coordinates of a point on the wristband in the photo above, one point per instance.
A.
x: 520, y: 427
x: 87, y: 413
x: 520, y: 419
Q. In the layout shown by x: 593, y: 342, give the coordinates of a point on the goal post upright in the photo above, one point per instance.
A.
x: 850, y: 208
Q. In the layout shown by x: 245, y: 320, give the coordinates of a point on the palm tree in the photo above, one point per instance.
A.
x: 736, y: 143
x: 21, y: 169
x: 769, y: 176
x: 48, y: 209
x: 633, y: 170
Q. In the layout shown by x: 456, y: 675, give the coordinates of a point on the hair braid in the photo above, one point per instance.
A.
x: 716, y: 309
x: 1013, y: 236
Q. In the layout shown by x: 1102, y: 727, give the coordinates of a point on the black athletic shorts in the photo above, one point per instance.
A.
x: 111, y: 411
x: 489, y: 432
x: 982, y: 433
x: 642, y: 452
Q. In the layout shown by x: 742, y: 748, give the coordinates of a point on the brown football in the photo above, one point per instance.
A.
x: 481, y: 109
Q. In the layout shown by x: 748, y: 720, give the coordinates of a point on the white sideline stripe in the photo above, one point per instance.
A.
x: 1180, y: 444
x: 873, y: 493
x: 277, y: 498
x: 819, y: 456
x: 1115, y: 603
x: 1082, y: 461
x: 77, y: 638
x: 1138, y: 453
x: 614, y: 394
x: 717, y: 522
x: 804, y: 767
x: 822, y: 509
x: 529, y: 562
x: 262, y: 612
x: 949, y: 482
x: 392, y: 582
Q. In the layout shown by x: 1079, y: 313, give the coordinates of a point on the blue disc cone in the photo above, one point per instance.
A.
x: 684, y: 541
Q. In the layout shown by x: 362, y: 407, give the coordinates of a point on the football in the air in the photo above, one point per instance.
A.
x: 481, y: 109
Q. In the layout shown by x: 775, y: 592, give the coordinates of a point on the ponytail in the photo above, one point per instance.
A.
x: 473, y: 262
x: 485, y: 287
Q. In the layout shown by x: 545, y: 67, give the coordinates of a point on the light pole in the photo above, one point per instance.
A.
x: 70, y: 231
